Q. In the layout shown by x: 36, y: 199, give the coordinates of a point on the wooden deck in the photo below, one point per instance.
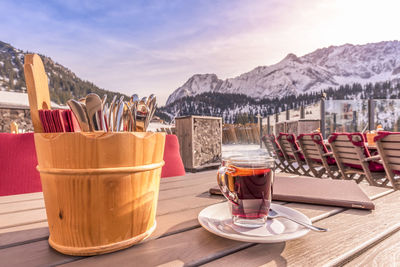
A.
x: 356, y: 237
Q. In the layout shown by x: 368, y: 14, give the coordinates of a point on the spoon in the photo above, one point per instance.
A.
x: 152, y: 108
x: 80, y: 113
x: 141, y: 116
x: 104, y: 99
x: 131, y: 121
x: 134, y: 101
x: 111, y: 114
x: 94, y: 111
x: 149, y: 104
x: 118, y: 118
x: 273, y: 214
x: 106, y: 114
x: 134, y: 98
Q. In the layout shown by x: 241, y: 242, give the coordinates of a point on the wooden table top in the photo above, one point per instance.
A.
x: 356, y: 237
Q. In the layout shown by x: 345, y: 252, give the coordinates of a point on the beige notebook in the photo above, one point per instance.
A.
x: 342, y: 193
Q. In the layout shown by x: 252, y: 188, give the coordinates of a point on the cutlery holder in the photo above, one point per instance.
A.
x: 100, y: 189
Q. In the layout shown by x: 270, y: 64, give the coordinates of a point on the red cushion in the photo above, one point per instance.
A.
x: 172, y: 157
x: 372, y: 165
x: 18, y: 174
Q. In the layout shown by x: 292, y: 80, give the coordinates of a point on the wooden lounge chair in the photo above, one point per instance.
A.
x: 292, y: 153
x: 355, y: 161
x: 388, y: 145
x: 275, y: 151
x: 319, y: 159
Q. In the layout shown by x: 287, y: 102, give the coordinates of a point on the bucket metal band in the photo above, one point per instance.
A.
x: 97, y: 171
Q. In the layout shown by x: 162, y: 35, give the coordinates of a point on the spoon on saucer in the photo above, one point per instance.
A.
x: 273, y: 214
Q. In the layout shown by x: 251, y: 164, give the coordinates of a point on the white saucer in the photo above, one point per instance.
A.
x: 218, y: 220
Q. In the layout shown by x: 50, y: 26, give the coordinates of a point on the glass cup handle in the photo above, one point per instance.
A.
x: 222, y: 183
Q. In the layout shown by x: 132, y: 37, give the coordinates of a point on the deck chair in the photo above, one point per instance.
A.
x: 355, y: 161
x: 319, y: 159
x: 275, y: 151
x: 388, y: 145
x: 292, y: 153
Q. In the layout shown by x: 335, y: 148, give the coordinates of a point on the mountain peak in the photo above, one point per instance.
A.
x: 323, y: 68
x: 291, y: 57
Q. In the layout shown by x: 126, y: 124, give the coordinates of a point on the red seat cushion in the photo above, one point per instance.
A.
x: 18, y: 174
x: 172, y: 157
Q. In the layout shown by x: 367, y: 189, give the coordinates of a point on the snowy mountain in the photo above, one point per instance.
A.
x: 63, y: 83
x: 321, y: 69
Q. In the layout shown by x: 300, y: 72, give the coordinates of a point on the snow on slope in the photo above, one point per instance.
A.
x: 19, y: 99
x: 323, y: 68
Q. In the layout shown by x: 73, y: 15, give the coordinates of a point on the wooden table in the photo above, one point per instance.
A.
x: 356, y: 237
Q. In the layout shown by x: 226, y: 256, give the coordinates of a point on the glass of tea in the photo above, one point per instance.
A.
x: 246, y: 181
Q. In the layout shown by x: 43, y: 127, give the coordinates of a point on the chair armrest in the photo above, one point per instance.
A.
x: 327, y: 154
x: 373, y: 158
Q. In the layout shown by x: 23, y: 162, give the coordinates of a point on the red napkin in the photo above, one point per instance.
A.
x: 73, y: 122
x: 58, y: 120
x: 50, y: 121
x: 66, y: 121
x: 42, y: 117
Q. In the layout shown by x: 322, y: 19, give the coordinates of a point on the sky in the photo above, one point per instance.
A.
x: 155, y: 46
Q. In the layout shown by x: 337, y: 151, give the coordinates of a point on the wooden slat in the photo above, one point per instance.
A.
x: 307, y: 142
x: 43, y: 255
x: 390, y: 145
x: 22, y: 218
x: 393, y: 160
x: 313, y: 154
x: 385, y: 253
x: 349, y: 160
x: 350, y: 150
x: 21, y: 206
x: 390, y: 152
x: 24, y: 236
x: 343, y: 143
x: 349, y: 231
x: 342, y: 138
x: 395, y: 167
x: 392, y: 138
x: 190, y: 190
x: 309, y: 147
x: 21, y: 197
x: 21, y: 228
x: 286, y: 146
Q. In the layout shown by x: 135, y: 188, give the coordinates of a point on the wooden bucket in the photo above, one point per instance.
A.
x: 100, y: 189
